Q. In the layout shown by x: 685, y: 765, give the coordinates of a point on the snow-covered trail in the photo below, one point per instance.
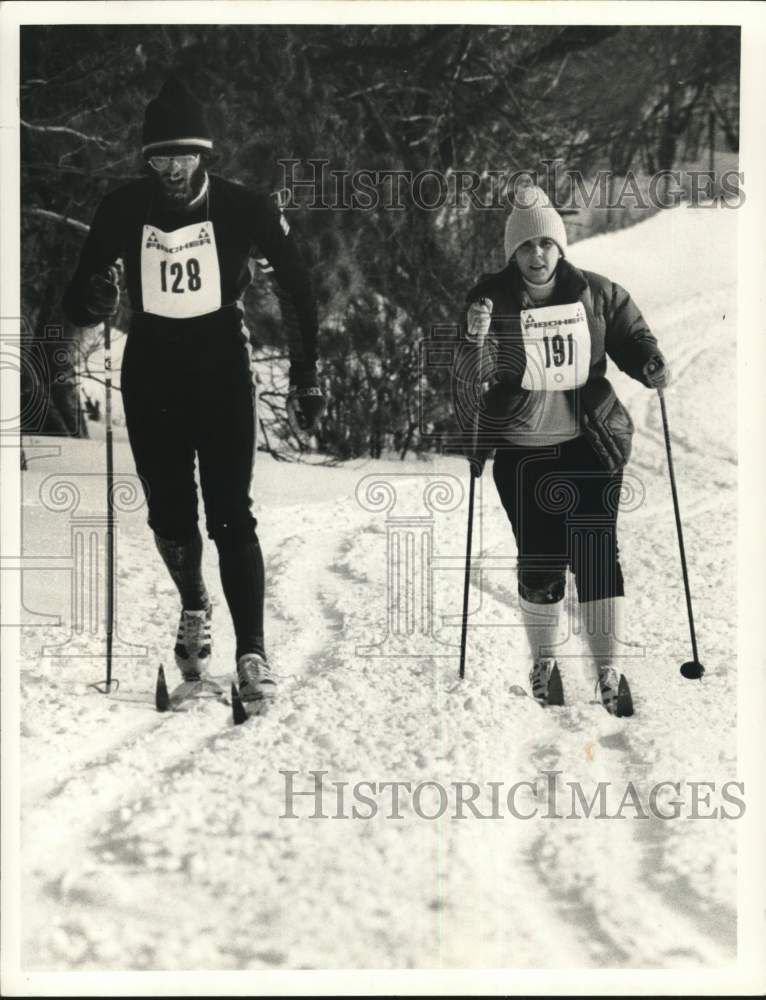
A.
x: 156, y: 842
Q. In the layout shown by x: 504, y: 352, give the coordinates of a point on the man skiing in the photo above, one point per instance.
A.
x: 560, y: 434
x: 186, y: 238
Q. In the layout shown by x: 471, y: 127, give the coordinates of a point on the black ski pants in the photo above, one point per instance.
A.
x: 563, y: 506
x: 188, y: 394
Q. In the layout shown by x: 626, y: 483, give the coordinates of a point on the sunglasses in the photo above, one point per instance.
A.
x: 160, y: 163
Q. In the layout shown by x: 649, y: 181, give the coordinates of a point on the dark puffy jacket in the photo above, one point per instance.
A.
x: 617, y: 329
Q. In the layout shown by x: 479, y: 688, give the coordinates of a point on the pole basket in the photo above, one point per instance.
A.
x: 692, y: 670
x: 105, y: 687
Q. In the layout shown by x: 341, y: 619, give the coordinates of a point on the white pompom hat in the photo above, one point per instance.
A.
x: 533, y: 217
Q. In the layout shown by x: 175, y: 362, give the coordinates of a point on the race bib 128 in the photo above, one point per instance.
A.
x: 180, y: 275
x: 557, y: 347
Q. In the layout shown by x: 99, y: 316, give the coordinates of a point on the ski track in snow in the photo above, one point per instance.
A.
x: 151, y: 838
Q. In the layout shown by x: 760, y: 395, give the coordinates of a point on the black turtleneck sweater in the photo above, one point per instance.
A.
x: 247, y: 226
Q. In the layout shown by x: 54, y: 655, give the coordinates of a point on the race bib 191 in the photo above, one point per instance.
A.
x: 180, y: 275
x: 557, y: 346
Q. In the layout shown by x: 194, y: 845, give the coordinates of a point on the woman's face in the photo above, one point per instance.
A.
x: 537, y: 259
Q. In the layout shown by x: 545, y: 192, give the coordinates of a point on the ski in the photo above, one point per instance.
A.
x: 547, y: 687
x: 624, y: 699
x: 171, y: 701
x: 624, y: 708
x: 555, y: 688
x: 522, y: 692
x: 241, y: 711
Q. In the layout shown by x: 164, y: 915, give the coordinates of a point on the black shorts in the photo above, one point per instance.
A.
x: 190, y: 395
x: 563, y: 508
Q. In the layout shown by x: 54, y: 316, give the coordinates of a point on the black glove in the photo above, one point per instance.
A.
x: 102, y: 294
x: 656, y: 372
x: 305, y: 399
x: 307, y: 404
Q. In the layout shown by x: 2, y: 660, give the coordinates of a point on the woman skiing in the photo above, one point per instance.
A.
x: 186, y: 239
x: 561, y: 436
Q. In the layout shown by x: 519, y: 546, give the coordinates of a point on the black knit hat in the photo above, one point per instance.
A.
x: 175, y: 118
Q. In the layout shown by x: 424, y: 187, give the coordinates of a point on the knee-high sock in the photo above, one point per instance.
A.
x: 542, y: 623
x: 243, y: 580
x: 603, y: 626
x: 184, y: 563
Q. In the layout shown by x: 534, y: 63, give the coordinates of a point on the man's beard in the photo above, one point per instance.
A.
x: 178, y: 194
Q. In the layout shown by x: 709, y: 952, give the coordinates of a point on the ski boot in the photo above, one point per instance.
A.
x: 193, y: 643
x: 546, y: 683
x: 615, y: 692
x: 256, y: 683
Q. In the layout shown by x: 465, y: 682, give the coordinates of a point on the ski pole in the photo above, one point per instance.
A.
x: 692, y: 669
x: 109, y: 503
x: 467, y: 578
x: 486, y: 305
x: 106, y: 687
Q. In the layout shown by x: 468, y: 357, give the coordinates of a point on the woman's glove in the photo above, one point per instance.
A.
x: 102, y: 294
x: 656, y: 373
x: 479, y: 319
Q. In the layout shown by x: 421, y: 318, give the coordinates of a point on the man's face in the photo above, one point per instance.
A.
x: 175, y: 175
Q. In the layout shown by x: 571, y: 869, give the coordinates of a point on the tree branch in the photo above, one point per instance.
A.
x: 64, y: 130
x: 56, y: 217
